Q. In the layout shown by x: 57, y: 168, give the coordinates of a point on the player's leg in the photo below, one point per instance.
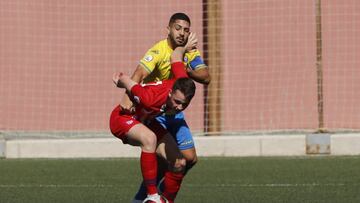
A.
x: 140, y: 134
x: 168, y: 150
x: 179, y: 129
x: 141, y: 193
x: 148, y: 159
x: 170, y: 155
x: 190, y: 157
x: 132, y: 132
x: 160, y: 131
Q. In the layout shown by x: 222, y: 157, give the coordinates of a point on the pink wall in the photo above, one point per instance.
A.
x: 57, y: 59
x: 270, y: 75
x: 341, y: 40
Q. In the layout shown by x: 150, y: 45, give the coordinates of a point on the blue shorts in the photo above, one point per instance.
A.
x: 178, y: 128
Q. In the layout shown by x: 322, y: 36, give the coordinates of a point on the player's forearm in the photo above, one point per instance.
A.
x: 177, y: 55
x: 126, y: 103
x: 201, y: 76
x: 139, y: 74
x: 126, y: 82
x: 178, y: 70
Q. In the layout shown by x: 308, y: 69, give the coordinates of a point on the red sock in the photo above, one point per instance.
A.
x: 172, y: 184
x: 148, y: 162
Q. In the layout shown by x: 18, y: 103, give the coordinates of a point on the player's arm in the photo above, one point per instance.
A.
x: 178, y: 53
x: 123, y: 81
x: 200, y: 75
x: 176, y: 59
x: 139, y: 74
x: 197, y: 69
x: 145, y: 96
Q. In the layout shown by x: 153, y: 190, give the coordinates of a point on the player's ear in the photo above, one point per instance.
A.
x: 170, y: 93
x: 168, y: 29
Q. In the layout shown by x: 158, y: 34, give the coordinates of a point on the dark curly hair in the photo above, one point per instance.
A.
x: 179, y: 16
x: 186, y: 86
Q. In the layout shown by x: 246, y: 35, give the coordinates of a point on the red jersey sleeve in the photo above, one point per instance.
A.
x: 151, y: 95
x: 141, y: 95
x: 178, y: 69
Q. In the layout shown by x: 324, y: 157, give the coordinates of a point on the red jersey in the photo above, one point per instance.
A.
x: 150, y: 98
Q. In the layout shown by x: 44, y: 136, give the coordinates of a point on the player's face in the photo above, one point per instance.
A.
x: 176, y: 102
x: 178, y: 33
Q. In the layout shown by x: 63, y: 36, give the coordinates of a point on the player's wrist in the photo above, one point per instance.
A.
x: 181, y: 50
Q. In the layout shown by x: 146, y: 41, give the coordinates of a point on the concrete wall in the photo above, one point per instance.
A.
x: 109, y: 147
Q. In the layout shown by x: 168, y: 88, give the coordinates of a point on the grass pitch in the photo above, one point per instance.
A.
x: 230, y: 180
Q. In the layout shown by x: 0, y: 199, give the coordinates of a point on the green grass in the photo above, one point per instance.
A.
x: 230, y: 180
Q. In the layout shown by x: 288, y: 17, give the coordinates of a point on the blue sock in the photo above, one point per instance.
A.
x: 160, y: 185
x: 141, y: 193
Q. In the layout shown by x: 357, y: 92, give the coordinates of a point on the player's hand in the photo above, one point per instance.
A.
x: 116, y: 79
x: 120, y: 79
x: 127, y: 111
x: 127, y: 106
x: 191, y: 42
x: 178, y: 53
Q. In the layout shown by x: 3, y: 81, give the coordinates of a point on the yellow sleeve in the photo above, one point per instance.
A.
x: 194, y: 61
x: 151, y: 58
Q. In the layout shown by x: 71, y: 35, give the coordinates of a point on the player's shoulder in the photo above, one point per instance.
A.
x: 159, y: 46
x: 158, y: 49
x: 153, y: 54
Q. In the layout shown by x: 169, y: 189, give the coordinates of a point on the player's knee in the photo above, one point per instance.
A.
x: 149, y: 141
x: 191, y: 159
x: 190, y: 163
x: 179, y: 165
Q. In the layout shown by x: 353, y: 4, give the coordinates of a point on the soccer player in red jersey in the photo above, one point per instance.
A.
x: 155, y: 66
x: 163, y: 97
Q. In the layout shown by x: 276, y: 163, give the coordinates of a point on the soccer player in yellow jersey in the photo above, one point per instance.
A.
x: 155, y: 66
x: 156, y: 63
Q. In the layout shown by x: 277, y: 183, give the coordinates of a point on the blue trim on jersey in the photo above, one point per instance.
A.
x: 178, y: 128
x: 196, y: 62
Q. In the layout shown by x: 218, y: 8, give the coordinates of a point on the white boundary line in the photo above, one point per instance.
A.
x: 276, y: 185
x: 187, y: 185
x: 57, y: 186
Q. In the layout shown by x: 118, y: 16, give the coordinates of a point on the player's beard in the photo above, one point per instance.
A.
x: 169, y: 109
x: 176, y: 42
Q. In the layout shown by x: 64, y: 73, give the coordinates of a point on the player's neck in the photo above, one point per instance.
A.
x: 171, y: 44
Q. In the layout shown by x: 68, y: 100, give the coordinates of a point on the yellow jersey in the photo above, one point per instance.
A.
x: 157, y: 61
